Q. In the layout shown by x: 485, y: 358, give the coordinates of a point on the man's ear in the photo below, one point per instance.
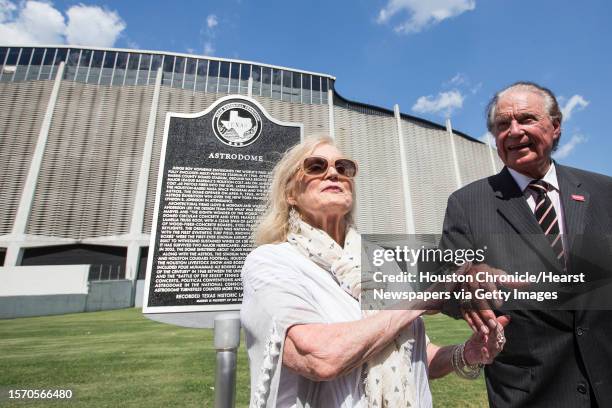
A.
x: 557, y: 128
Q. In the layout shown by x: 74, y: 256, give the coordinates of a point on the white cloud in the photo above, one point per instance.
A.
x: 208, y: 33
x: 133, y: 44
x: 209, y: 49
x: 6, y: 10
x: 423, y: 13
x: 445, y: 102
x: 211, y: 21
x: 488, y: 138
x: 458, y: 79
x: 564, y: 150
x: 31, y: 23
x: 576, y: 102
x: 36, y: 22
x: 92, y: 25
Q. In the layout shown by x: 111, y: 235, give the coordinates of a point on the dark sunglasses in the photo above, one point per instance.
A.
x: 317, y: 165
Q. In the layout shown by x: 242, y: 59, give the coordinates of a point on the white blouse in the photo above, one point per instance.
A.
x: 283, y: 288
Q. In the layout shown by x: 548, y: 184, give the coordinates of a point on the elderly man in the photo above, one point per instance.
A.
x: 536, y: 215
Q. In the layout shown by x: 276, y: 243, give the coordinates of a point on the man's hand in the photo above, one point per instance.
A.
x: 478, y: 313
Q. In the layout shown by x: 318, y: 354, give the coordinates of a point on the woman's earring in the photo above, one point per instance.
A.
x: 294, y: 221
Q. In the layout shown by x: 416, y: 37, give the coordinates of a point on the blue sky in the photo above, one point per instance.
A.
x: 433, y: 58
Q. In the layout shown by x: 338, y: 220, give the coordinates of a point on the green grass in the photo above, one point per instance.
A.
x: 119, y: 358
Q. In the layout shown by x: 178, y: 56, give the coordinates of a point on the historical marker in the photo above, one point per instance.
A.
x: 214, y: 174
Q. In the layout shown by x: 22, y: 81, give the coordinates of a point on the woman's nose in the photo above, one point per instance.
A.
x: 332, y: 172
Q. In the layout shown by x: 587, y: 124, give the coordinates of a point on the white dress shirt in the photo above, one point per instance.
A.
x: 530, y: 195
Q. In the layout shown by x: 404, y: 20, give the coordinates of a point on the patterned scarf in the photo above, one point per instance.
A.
x: 387, y: 376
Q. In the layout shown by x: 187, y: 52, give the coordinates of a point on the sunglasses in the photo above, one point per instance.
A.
x: 317, y: 165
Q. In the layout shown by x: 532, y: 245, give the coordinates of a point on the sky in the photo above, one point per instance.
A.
x: 434, y: 58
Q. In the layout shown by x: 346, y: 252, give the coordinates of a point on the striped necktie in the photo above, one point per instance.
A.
x: 547, y: 217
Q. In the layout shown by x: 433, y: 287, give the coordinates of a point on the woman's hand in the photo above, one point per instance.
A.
x: 483, y: 348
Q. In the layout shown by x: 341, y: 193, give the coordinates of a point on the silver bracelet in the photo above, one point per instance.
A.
x: 461, y: 367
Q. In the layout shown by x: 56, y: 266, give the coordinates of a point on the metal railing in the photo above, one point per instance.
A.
x: 106, y: 272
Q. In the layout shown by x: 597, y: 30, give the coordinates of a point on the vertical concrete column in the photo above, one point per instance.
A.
x: 410, y: 227
x: 14, y: 251
x: 451, y: 137
x: 490, y: 146
x: 140, y: 198
x: 330, y: 106
x: 250, y: 87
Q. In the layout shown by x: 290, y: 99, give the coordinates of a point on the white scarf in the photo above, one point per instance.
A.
x: 387, y: 376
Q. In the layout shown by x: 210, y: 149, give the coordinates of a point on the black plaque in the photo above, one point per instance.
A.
x: 214, y: 173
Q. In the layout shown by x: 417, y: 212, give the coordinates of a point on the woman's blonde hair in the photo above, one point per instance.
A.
x: 273, y: 225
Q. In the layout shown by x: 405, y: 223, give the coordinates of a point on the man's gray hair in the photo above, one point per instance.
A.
x: 550, y: 103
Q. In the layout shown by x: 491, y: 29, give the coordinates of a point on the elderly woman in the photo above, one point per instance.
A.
x: 309, y: 342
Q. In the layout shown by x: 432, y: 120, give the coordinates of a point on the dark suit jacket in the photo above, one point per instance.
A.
x: 552, y: 358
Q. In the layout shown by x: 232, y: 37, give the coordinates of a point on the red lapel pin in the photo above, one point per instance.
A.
x: 577, y: 197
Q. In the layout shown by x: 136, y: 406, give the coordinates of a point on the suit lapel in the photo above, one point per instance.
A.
x: 574, y: 210
x: 513, y: 207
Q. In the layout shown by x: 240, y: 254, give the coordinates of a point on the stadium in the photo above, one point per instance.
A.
x: 80, y: 142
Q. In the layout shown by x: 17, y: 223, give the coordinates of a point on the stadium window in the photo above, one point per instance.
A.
x: 60, y: 56
x: 19, y: 70
x: 213, y: 77
x: 35, y: 63
x: 47, y: 63
x: 234, y: 77
x: 256, y: 74
x: 156, y: 62
x: 83, y: 67
x: 266, y: 81
x: 306, y: 88
x: 276, y: 83
x: 108, y: 63
x: 37, y: 58
x: 12, y: 56
x: 324, y: 90
x: 22, y: 64
x: 179, y: 69
x: 189, y: 78
x: 120, y: 68
x: 95, y: 67
x: 24, y: 59
x: 132, y: 69
x: 3, y: 52
x: 223, y: 77
x: 3, y: 56
x: 72, y: 62
x: 201, y: 70
x: 168, y: 70
x: 245, y: 73
x: 286, y: 82
x: 316, y: 89
x: 296, y: 89
x: 143, y: 69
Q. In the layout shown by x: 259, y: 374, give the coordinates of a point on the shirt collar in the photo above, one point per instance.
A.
x: 523, y: 181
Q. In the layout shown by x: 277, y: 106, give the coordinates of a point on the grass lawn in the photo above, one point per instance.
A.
x: 119, y: 358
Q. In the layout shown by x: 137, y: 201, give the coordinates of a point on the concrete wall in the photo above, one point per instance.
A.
x: 106, y: 295
x: 50, y: 290
x: 44, y: 280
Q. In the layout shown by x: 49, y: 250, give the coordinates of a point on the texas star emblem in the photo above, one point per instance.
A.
x: 237, y: 124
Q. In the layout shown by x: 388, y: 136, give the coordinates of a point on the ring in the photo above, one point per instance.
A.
x: 501, y: 339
